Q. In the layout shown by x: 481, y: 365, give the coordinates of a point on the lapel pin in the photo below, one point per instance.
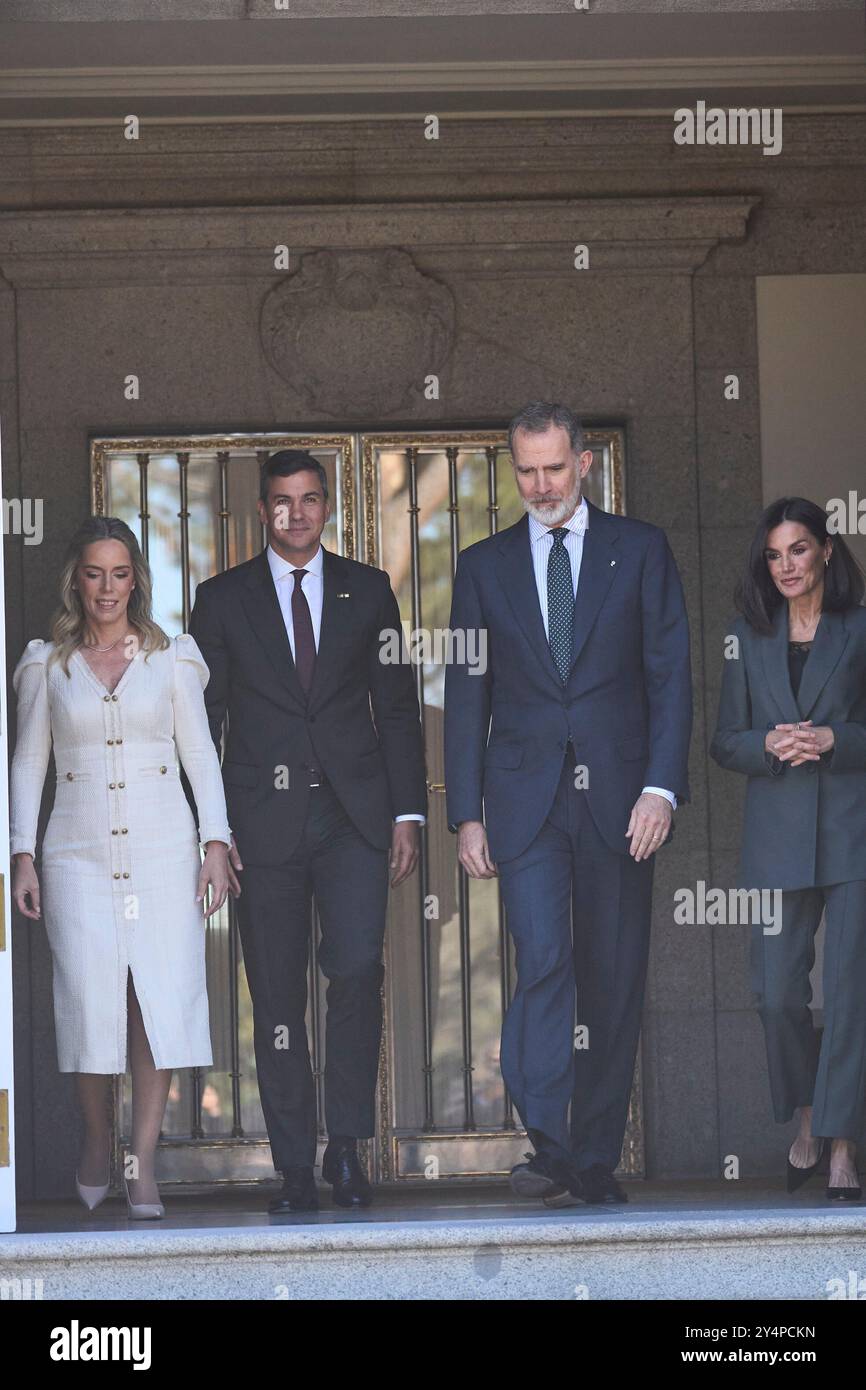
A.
x: 613, y: 562
x: 344, y: 595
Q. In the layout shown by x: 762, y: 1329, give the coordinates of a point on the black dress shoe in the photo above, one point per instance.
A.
x: 795, y: 1176
x: 597, y: 1184
x: 298, y: 1192
x: 542, y: 1176
x: 342, y: 1169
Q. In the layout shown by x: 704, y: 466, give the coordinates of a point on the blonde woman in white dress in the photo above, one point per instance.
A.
x: 123, y: 888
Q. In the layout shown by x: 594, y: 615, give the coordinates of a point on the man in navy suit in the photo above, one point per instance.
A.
x: 575, y: 743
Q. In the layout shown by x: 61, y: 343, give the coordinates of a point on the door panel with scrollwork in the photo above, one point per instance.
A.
x: 407, y: 503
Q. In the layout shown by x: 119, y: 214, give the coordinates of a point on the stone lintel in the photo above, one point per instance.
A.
x: 661, y: 235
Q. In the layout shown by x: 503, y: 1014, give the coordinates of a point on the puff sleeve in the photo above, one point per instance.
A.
x: 32, y: 748
x: 193, y: 739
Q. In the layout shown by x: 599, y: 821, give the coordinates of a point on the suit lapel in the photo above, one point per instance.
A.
x: 598, y: 569
x: 774, y: 650
x: 831, y: 638
x: 266, y: 619
x: 339, y: 615
x: 517, y: 577
x: 265, y: 616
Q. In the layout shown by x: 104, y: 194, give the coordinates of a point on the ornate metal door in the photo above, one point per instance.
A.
x: 407, y: 503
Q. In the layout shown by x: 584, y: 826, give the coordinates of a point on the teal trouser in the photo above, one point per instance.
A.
x: 826, y: 1071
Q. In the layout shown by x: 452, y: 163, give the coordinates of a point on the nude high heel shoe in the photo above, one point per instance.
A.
x: 142, y: 1211
x: 92, y: 1196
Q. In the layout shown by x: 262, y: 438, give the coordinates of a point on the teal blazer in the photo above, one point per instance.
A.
x: 803, y: 826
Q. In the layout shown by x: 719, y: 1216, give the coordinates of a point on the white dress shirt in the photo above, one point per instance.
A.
x: 312, y: 586
x: 541, y: 544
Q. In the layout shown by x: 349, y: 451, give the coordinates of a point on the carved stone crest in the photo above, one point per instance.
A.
x: 357, y: 332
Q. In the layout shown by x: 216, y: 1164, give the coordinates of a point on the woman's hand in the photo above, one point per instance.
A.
x: 25, y: 887
x: 214, y: 875
x: 799, y: 743
x: 778, y: 740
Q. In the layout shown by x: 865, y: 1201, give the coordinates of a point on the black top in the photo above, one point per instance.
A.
x: 798, y: 655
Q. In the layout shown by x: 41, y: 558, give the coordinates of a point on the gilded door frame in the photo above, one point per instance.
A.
x: 502, y: 1147
x: 199, y: 1158
x: 188, y: 444
x: 358, y: 475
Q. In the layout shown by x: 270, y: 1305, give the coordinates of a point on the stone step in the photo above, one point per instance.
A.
x: 576, y: 1254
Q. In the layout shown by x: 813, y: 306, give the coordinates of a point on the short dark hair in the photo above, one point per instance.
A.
x: 284, y: 463
x: 757, y: 597
x: 538, y: 416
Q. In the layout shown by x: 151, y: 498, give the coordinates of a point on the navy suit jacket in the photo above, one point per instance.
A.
x: 627, y: 703
x: 802, y: 825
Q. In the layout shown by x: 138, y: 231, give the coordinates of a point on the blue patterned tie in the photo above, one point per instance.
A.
x: 560, y: 603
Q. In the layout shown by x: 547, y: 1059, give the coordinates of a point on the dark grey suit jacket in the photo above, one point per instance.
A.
x: 360, y: 724
x: 802, y: 825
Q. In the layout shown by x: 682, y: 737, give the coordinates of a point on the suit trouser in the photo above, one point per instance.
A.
x: 827, y: 1072
x: 569, y: 875
x: 350, y: 880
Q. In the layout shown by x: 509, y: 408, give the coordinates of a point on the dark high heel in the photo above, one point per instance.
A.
x: 844, y: 1194
x: 798, y: 1176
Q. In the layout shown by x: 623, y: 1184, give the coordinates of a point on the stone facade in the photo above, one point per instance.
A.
x: 158, y: 258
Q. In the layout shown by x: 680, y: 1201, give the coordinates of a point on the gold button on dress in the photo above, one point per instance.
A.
x: 114, y: 903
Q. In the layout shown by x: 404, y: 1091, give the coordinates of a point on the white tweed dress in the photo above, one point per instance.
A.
x: 120, y: 859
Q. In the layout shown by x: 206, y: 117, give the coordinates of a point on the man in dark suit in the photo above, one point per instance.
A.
x: 325, y: 783
x: 589, y: 692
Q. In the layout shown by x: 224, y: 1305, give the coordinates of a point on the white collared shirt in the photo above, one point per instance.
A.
x: 541, y: 544
x: 313, y: 588
x: 312, y: 585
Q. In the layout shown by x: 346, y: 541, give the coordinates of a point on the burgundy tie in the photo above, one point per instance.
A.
x: 305, y: 644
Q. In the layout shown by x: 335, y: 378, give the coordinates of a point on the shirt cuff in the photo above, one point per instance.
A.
x: 215, y: 832
x: 660, y: 791
x: 422, y: 820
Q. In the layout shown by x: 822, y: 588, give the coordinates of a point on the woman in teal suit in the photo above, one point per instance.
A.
x: 792, y: 717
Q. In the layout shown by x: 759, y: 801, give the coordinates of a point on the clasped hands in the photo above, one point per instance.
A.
x: 799, y: 743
